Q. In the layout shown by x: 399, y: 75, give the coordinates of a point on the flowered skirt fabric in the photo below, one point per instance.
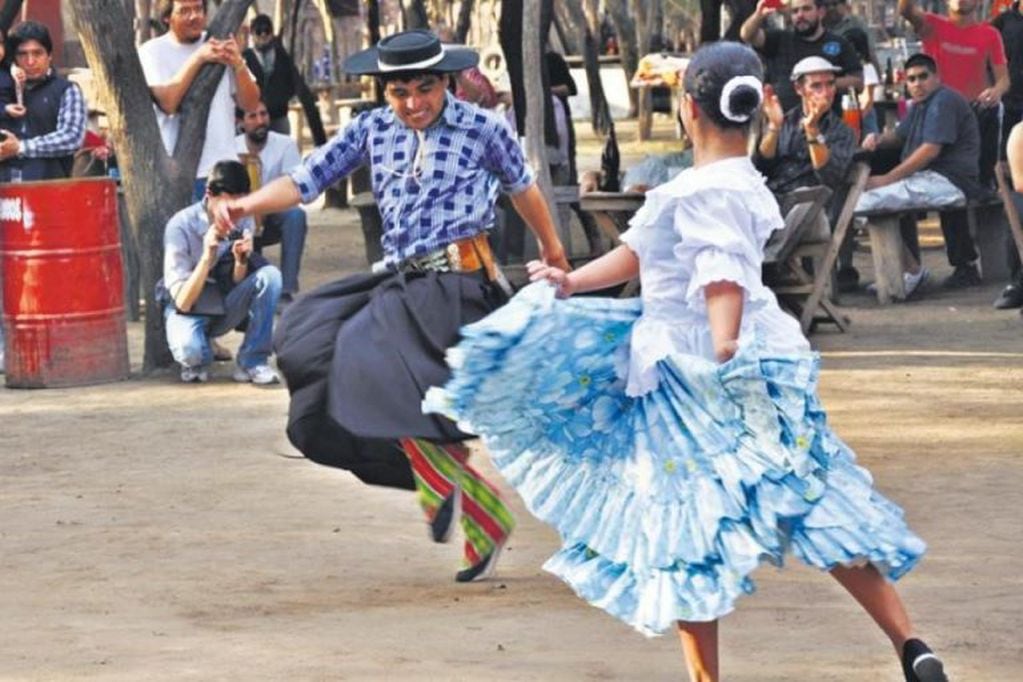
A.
x: 665, y: 502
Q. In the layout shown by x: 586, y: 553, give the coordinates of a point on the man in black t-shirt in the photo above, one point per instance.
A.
x: 782, y: 49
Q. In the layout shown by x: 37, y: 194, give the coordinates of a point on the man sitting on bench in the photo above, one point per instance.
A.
x: 808, y: 145
x: 938, y: 169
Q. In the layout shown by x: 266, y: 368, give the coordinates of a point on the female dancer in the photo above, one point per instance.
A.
x: 678, y: 441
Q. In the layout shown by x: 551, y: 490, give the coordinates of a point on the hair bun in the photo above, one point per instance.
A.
x: 740, y: 98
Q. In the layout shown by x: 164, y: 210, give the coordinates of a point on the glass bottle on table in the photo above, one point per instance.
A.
x: 851, y: 114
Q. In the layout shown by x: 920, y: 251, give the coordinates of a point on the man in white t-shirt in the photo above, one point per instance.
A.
x: 171, y: 63
x: 278, y: 154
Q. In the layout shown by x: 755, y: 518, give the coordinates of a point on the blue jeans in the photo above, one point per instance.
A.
x: 198, y: 189
x: 289, y: 228
x: 254, y: 298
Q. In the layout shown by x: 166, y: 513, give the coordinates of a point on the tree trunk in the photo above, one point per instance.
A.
x: 536, y: 94
x: 143, y: 15
x: 625, y: 29
x: 155, y: 185
x: 464, y: 20
x: 8, y: 13
x: 415, y: 14
x: 588, y: 19
x: 296, y: 9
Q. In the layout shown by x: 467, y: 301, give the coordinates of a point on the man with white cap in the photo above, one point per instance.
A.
x: 359, y: 354
x: 808, y: 145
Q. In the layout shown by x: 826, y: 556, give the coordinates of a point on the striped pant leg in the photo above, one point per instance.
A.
x: 486, y: 521
x: 433, y: 486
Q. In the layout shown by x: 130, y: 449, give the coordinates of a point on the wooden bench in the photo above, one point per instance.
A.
x: 886, y: 245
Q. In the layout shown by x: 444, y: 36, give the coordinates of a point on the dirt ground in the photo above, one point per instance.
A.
x: 155, y: 531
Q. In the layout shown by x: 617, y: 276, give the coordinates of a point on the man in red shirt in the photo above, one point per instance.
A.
x: 971, y: 60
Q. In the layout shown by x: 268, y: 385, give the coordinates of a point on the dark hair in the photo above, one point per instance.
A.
x: 406, y: 76
x: 262, y: 24
x: 167, y: 6
x: 857, y: 37
x: 921, y: 59
x: 31, y: 30
x: 228, y: 177
x: 239, y: 113
x: 711, y: 67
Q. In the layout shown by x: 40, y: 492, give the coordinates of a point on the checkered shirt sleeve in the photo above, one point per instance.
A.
x: 342, y: 154
x: 70, y: 132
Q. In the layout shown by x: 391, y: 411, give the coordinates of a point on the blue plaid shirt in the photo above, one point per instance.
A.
x: 432, y: 187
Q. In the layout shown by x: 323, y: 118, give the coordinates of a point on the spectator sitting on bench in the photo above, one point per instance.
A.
x: 938, y: 169
x: 809, y: 145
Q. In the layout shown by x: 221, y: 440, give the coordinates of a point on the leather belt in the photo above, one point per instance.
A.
x: 465, y: 255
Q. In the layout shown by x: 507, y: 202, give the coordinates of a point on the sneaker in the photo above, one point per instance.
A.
x: 963, y: 276
x: 1011, y: 297
x: 443, y: 523
x: 919, y: 664
x: 194, y: 375
x: 911, y: 282
x: 261, y: 375
x: 220, y: 353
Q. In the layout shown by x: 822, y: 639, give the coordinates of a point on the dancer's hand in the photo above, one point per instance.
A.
x: 557, y: 276
x: 226, y: 214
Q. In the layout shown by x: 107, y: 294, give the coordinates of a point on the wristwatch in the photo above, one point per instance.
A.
x: 815, y: 139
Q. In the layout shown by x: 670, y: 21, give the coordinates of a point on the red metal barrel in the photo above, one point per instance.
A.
x: 62, y: 283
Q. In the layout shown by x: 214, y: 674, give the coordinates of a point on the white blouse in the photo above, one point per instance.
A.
x: 707, y: 225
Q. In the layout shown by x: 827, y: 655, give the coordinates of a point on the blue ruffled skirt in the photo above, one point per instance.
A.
x: 665, y: 502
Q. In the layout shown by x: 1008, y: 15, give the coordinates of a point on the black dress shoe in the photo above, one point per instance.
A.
x: 479, y: 571
x: 848, y: 279
x: 1011, y: 297
x: 919, y: 664
x: 963, y: 276
x: 443, y: 523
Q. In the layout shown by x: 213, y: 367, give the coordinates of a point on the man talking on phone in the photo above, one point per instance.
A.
x: 213, y: 282
x: 39, y: 139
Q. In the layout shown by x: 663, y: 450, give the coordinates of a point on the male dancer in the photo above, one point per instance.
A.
x: 359, y: 354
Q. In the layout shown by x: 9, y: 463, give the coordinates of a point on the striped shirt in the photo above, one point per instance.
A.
x: 432, y: 187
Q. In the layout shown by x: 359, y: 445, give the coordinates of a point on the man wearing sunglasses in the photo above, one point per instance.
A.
x: 971, y: 59
x: 938, y: 168
x: 274, y: 71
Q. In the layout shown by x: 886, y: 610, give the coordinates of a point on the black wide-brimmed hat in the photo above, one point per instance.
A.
x: 417, y: 50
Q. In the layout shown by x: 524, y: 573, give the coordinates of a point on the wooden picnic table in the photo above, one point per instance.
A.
x: 608, y: 208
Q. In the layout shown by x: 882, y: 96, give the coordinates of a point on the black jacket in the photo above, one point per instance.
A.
x: 280, y: 85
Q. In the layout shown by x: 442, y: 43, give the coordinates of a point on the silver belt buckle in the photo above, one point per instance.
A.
x: 454, y: 257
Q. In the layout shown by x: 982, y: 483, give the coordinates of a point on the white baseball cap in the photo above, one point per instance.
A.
x: 812, y: 65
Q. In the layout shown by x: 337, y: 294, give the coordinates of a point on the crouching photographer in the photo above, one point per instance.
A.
x: 213, y: 282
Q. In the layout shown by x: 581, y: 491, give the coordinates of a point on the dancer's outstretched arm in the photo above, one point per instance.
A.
x: 616, y: 266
